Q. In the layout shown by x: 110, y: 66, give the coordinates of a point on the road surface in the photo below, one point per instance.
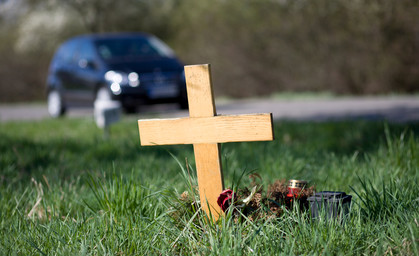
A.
x: 392, y: 109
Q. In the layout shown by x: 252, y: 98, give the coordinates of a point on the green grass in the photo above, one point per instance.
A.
x: 65, y: 190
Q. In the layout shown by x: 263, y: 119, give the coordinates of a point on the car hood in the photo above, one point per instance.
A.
x: 146, y: 66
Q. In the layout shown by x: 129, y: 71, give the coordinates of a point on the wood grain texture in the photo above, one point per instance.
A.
x: 210, y: 177
x: 218, y: 129
x: 199, y: 89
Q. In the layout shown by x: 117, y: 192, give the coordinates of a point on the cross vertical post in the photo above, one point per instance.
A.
x: 207, y: 155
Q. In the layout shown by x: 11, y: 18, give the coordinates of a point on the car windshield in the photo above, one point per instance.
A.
x: 131, y: 48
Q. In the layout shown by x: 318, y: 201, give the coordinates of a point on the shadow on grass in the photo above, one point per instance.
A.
x: 65, y: 156
x: 339, y: 138
x: 317, y: 151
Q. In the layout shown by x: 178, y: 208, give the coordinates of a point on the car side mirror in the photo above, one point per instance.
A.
x: 87, y: 64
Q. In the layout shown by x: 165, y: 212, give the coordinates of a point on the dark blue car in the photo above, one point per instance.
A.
x: 133, y: 68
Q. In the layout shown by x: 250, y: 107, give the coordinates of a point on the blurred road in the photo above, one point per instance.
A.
x: 393, y: 109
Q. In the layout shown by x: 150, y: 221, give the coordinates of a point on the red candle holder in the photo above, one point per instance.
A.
x: 295, y: 188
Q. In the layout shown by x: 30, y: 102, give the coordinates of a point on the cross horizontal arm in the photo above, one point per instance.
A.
x: 217, y: 129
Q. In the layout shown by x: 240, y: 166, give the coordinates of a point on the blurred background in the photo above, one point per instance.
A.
x: 256, y: 47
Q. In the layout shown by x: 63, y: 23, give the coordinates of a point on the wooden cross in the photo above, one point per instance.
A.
x: 205, y: 130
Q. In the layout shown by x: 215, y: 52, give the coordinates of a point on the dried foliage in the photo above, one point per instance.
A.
x: 261, y: 206
x: 275, y: 200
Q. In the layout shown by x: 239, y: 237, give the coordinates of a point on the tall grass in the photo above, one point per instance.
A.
x: 64, y: 190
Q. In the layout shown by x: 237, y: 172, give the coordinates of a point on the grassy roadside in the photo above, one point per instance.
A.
x: 65, y: 190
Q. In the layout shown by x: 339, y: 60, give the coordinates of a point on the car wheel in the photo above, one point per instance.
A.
x: 55, y: 104
x: 103, y: 94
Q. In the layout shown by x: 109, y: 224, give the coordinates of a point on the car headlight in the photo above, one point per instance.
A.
x: 122, y: 79
x: 133, y: 79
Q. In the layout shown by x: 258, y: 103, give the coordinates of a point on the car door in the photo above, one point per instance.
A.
x: 64, y: 69
x: 87, y: 73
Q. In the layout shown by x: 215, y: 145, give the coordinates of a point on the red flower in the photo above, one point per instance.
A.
x: 225, y: 199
